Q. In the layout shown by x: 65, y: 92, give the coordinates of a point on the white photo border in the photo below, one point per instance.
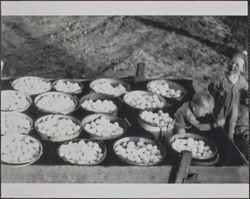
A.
x: 177, y: 8
x: 173, y: 8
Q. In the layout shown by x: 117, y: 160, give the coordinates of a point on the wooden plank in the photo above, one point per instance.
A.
x: 223, y: 174
x: 118, y: 174
x: 85, y: 174
x: 183, y: 168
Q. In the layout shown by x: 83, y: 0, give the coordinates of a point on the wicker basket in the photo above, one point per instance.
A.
x: 72, y: 81
x: 139, y: 139
x: 209, y: 142
x: 24, y: 163
x: 63, y: 111
x: 112, y: 118
x: 34, y: 77
x: 112, y: 82
x: 59, y: 138
x: 172, y: 85
x: 96, y: 96
x: 101, y: 144
x: 21, y: 115
x: 21, y: 109
x: 157, y: 131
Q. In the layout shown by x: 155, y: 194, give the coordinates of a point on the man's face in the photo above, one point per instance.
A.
x: 236, y: 65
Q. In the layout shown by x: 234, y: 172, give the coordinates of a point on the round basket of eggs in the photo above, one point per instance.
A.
x: 104, y: 126
x: 109, y: 86
x: 159, y: 123
x: 201, y: 148
x: 139, y: 151
x: 99, y: 103
x: 82, y: 152
x: 168, y: 89
x: 20, y: 150
x: 58, y: 128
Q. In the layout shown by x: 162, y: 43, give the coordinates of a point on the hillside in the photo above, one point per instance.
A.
x: 192, y: 47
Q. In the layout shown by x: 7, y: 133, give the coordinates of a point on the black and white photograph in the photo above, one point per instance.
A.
x: 140, y: 99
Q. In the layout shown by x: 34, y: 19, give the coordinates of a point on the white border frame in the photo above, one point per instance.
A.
x: 125, y: 190
x: 125, y: 8
x: 22, y: 8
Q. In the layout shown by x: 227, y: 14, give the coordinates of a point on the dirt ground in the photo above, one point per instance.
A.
x: 196, y: 48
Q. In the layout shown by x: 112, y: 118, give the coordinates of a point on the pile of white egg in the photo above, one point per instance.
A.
x: 139, y: 152
x: 107, y: 87
x: 162, y: 88
x: 103, y: 127
x: 143, y: 100
x: 32, y: 85
x: 55, y: 102
x: 67, y: 86
x: 57, y: 126
x: 81, y: 152
x: 198, y: 147
x: 19, y: 149
x: 13, y: 101
x: 99, y: 106
x: 159, y: 118
x: 15, y: 123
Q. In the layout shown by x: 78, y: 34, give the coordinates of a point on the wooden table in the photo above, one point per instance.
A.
x: 231, y: 168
